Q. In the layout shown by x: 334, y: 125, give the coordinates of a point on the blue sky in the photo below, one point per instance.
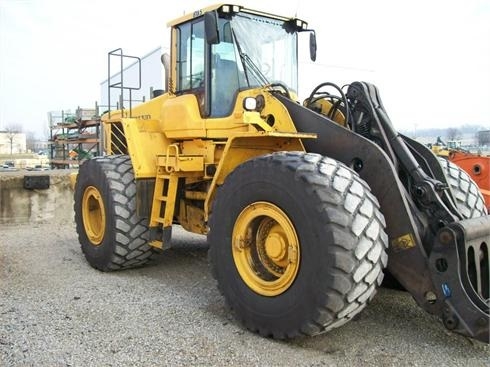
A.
x: 429, y: 59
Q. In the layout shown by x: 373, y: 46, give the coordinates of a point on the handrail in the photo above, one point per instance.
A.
x: 118, y: 52
x: 168, y: 168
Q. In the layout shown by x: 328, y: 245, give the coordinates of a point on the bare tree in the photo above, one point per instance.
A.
x: 453, y: 134
x: 11, y: 131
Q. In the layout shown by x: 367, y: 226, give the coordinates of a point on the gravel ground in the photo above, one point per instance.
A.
x: 55, y: 310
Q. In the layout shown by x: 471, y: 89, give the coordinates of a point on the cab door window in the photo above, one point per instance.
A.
x: 190, y: 58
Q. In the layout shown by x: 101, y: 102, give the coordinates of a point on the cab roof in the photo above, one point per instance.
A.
x: 225, y: 8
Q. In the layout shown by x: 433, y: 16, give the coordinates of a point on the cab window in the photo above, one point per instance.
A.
x: 190, y: 57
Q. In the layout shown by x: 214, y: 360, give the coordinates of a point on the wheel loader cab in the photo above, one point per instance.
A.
x: 245, y: 50
x: 210, y: 72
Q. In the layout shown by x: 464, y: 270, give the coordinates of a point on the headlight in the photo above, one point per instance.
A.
x: 250, y: 104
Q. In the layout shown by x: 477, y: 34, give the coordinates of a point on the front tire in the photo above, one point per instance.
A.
x: 297, y: 244
x: 111, y: 234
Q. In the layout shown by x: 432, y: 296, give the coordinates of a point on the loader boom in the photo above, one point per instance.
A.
x: 431, y: 249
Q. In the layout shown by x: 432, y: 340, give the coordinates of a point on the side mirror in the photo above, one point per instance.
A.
x: 211, y: 28
x: 312, y: 46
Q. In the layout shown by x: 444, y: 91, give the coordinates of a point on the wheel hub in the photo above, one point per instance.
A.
x: 275, y: 247
x: 265, y: 249
x: 93, y: 213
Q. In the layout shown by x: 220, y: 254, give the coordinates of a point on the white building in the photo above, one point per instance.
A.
x: 12, y: 143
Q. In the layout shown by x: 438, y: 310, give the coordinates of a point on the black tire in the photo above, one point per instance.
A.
x: 469, y: 198
x: 341, y: 238
x: 106, y: 185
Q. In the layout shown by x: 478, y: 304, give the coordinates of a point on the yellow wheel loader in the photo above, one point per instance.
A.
x: 304, y: 204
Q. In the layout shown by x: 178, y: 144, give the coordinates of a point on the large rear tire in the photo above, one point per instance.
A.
x: 297, y: 244
x: 111, y: 234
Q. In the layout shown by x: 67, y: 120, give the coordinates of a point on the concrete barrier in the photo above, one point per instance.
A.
x: 20, y: 205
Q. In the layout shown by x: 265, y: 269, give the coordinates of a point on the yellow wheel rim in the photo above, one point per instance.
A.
x: 93, y: 213
x: 265, y: 249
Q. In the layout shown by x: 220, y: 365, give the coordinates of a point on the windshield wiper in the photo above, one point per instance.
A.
x: 249, y: 65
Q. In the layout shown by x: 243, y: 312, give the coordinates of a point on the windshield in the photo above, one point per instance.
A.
x: 267, y: 52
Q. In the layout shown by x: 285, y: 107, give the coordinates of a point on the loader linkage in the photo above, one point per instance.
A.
x: 456, y: 250
x: 439, y: 257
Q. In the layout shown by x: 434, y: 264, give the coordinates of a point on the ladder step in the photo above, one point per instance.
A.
x: 165, y: 190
